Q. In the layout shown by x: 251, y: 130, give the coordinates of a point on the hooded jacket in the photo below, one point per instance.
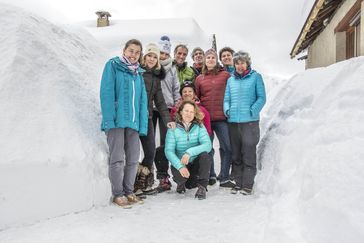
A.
x: 152, y: 81
x: 123, y: 98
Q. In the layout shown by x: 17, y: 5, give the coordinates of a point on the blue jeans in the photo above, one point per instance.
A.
x: 222, y: 132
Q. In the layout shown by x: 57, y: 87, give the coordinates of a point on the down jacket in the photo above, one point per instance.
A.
x: 123, y: 98
x: 210, y: 90
x: 179, y: 141
x: 244, y: 97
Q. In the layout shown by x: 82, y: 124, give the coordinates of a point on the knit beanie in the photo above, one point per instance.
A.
x: 165, y: 44
x: 152, y: 48
x: 187, y: 83
x: 242, y: 56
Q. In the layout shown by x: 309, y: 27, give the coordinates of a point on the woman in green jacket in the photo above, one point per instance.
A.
x: 187, y: 149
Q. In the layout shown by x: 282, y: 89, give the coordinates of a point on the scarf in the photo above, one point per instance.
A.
x: 167, y: 64
x: 132, y: 67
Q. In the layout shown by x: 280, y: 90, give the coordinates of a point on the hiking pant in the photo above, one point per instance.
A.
x: 148, y: 144
x: 124, y: 152
x: 199, y: 170
x: 244, y: 139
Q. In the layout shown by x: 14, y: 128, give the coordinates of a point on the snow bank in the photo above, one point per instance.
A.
x: 53, y: 158
x: 312, y: 156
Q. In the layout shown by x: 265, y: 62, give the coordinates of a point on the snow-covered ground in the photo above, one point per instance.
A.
x: 53, y: 172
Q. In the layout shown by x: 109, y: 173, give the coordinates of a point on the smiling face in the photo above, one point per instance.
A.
x: 188, y: 113
x: 132, y: 53
x: 210, y: 61
x: 151, y: 60
x: 180, y: 56
x: 240, y: 66
x: 198, y: 57
x: 227, y: 58
x: 188, y: 94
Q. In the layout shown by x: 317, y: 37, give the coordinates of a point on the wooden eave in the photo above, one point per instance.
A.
x: 320, y: 15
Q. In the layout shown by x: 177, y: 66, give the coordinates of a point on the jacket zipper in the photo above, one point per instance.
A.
x: 133, y: 100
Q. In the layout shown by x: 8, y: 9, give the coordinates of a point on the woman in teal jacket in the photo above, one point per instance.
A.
x: 124, y: 116
x: 244, y: 99
x: 187, y: 149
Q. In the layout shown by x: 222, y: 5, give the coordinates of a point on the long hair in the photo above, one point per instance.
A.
x: 198, y: 114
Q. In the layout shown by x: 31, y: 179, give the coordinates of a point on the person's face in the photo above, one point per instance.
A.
x: 151, y: 60
x: 188, y: 94
x: 163, y: 56
x: 210, y: 61
x: 132, y: 53
x: 227, y: 58
x: 181, y: 55
x: 198, y: 57
x: 240, y: 66
x: 188, y: 113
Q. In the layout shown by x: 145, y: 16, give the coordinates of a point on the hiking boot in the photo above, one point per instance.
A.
x: 150, y: 191
x: 164, y: 185
x: 212, y: 181
x: 181, y: 189
x: 227, y: 184
x: 121, y: 202
x: 246, y: 191
x: 132, y: 199
x: 139, y: 193
x: 201, y: 193
x: 235, y: 190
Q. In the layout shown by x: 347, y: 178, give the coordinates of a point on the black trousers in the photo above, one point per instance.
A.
x: 148, y: 144
x: 161, y: 161
x: 244, y: 138
x: 199, y: 172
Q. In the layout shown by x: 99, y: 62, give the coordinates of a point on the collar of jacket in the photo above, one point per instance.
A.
x: 246, y: 73
x: 123, y: 67
x: 178, y: 66
x: 180, y: 125
x: 160, y: 73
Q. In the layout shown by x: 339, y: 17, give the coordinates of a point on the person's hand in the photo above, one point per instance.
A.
x: 185, y: 159
x: 184, y: 172
x: 171, y: 125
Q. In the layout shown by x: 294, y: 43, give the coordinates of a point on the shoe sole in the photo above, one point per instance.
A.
x: 124, y: 207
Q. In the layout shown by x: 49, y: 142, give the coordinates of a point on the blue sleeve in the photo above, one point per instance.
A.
x: 107, y: 97
x: 261, y: 98
x: 143, y: 115
x: 170, y: 150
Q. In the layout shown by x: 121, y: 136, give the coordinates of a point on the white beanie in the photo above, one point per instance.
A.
x: 165, y: 44
x: 152, y: 48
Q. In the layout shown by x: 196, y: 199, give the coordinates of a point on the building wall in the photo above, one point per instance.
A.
x: 322, y: 51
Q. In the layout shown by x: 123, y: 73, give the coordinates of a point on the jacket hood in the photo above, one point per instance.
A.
x: 159, y: 73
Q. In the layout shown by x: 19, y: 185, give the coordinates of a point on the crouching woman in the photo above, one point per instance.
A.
x: 187, y: 149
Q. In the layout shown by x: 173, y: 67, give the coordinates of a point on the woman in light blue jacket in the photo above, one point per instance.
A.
x: 124, y: 108
x: 244, y: 99
x: 187, y: 149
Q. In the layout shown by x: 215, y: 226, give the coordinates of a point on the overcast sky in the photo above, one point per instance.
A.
x: 266, y: 29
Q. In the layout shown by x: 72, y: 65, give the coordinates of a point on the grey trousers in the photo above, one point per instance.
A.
x: 244, y: 139
x: 124, y: 152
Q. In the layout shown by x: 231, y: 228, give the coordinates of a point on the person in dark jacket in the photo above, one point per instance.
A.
x: 187, y: 149
x: 124, y: 108
x: 244, y: 99
x: 153, y: 75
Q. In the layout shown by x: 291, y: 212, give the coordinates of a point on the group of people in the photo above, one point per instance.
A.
x: 141, y: 90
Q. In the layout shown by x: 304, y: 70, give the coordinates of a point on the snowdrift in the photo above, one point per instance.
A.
x: 53, y: 158
x: 312, y: 154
